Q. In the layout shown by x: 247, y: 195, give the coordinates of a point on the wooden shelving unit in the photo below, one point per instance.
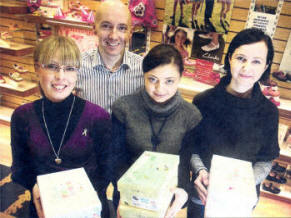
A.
x: 57, y: 22
x: 13, y: 7
x: 17, y: 49
x: 23, y: 88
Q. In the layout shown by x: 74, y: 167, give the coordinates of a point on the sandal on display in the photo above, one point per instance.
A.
x: 19, y: 69
x: 269, y: 82
x: 270, y: 188
x: 273, y: 176
x: 279, y: 75
x: 278, y: 168
x: 268, y: 91
x: 2, y: 80
x: 15, y: 76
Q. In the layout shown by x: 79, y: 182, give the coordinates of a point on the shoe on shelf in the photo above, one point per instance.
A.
x: 210, y: 47
x: 205, y: 36
x: 275, y: 177
x: 2, y: 80
x: 15, y: 76
x: 269, y: 91
x: 280, y: 75
x: 19, y: 69
x: 270, y: 188
x: 277, y: 167
x: 274, y: 101
x: 269, y: 82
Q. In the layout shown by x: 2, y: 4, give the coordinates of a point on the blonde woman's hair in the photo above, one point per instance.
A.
x: 67, y: 51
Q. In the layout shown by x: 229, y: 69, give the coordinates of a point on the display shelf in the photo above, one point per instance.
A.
x: 5, y: 115
x: 17, y: 49
x: 13, y: 7
x: 23, y: 88
x: 58, y: 22
x: 189, y: 87
x: 284, y: 88
x: 282, y: 196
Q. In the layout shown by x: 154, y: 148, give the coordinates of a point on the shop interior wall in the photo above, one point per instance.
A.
x: 27, y: 35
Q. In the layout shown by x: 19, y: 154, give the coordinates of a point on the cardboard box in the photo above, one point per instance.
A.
x: 68, y: 194
x: 232, y: 189
x: 147, y: 182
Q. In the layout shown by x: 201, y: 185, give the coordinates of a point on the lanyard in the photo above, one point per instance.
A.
x: 155, y: 138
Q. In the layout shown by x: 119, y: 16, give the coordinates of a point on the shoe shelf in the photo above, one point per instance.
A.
x: 58, y: 22
x: 284, y: 187
x: 13, y: 7
x: 16, y: 49
x: 5, y: 115
x: 23, y: 88
x: 284, y: 88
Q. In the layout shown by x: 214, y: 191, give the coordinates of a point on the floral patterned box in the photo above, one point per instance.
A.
x: 68, y: 194
x: 232, y: 189
x: 147, y: 182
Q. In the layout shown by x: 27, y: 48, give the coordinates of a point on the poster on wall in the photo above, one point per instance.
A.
x: 203, y: 15
x: 180, y: 37
x: 264, y: 15
x: 85, y: 39
x: 207, y: 21
x: 285, y: 65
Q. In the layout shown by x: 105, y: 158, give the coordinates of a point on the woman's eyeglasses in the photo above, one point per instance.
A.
x: 56, y: 68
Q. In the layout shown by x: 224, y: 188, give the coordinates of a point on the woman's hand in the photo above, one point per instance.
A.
x: 201, y: 183
x: 36, y: 201
x: 180, y: 198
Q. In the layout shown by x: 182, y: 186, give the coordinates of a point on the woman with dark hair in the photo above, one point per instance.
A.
x: 60, y: 131
x: 180, y: 41
x: 238, y: 120
x: 156, y: 118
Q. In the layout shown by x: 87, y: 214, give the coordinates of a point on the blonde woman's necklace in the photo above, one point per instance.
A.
x: 58, y: 160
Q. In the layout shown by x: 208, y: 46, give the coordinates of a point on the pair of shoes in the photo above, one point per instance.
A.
x: 273, y: 176
x: 269, y: 82
x: 19, y: 69
x: 2, y: 80
x: 280, y: 75
x: 277, y: 167
x: 269, y: 91
x: 210, y: 47
x: 270, y: 188
x: 15, y: 76
x: 205, y: 36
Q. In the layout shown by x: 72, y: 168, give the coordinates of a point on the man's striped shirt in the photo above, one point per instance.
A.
x: 101, y: 86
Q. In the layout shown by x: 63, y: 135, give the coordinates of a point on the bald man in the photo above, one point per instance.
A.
x: 110, y: 71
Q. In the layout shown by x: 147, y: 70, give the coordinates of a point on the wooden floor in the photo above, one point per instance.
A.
x: 266, y: 207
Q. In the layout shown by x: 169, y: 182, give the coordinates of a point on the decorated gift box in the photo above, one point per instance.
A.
x: 231, y: 190
x: 68, y: 194
x: 147, y: 182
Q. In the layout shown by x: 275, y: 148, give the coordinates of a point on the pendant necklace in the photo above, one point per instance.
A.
x: 155, y: 138
x: 58, y: 160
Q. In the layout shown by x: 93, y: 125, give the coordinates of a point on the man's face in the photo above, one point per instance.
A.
x: 113, y: 30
